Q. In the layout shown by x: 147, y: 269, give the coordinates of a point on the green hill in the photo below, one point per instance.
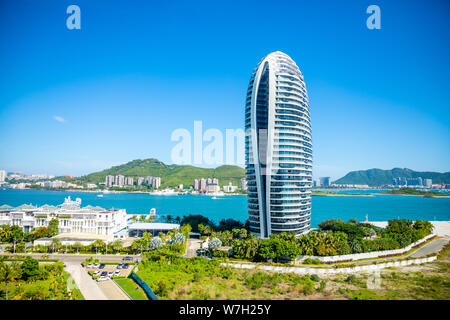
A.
x: 171, y: 175
x: 378, y: 177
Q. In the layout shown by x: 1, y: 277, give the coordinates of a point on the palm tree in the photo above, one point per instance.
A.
x: 77, y: 246
x: 98, y: 244
x: 9, y: 273
x: 117, y: 245
x: 56, y: 242
x: 5, y: 233
x: 146, y: 237
x: 134, y: 218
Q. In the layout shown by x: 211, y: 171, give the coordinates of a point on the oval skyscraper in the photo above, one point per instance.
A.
x: 278, y: 148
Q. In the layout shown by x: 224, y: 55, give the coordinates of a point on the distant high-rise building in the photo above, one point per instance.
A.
x: 316, y: 183
x: 278, y: 148
x: 428, y: 183
x: 325, y: 181
x: 2, y: 175
x: 109, y: 181
x: 120, y: 180
x: 414, y: 181
x: 129, y: 181
x: 156, y: 182
x: 203, y: 183
x: 196, y: 184
x: 212, y: 187
x: 139, y: 181
x: 244, y: 184
x: 229, y: 187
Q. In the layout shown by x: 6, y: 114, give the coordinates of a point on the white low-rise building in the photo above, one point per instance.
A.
x: 71, y: 216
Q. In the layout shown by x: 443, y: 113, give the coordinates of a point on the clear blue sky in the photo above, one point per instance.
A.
x: 137, y: 70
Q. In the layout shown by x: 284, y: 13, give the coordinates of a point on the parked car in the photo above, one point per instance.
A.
x: 125, y: 266
x: 89, y: 266
x: 96, y: 273
x: 104, y: 274
x: 102, y: 266
x: 119, y: 266
x: 96, y: 265
x: 116, y: 273
x: 102, y: 278
x: 110, y: 274
x: 201, y: 252
x: 127, y: 258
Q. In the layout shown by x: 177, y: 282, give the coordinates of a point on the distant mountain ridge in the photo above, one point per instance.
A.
x: 171, y: 175
x: 379, y: 177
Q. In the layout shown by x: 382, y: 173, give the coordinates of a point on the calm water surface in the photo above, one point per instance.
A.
x: 378, y: 207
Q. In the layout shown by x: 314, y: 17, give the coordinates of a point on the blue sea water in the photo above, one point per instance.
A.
x: 378, y: 208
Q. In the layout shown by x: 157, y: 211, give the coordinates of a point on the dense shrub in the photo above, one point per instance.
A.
x: 315, y: 278
x: 179, y: 238
x: 214, y: 244
x: 155, y: 243
x: 220, y: 254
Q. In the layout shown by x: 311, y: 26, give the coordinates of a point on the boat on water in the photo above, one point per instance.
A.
x: 100, y: 195
x: 214, y: 197
x: 165, y: 192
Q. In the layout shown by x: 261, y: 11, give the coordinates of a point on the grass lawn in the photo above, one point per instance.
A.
x: 201, y: 279
x: 132, y: 288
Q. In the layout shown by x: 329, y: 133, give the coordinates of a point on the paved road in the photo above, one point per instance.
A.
x: 191, y: 247
x: 91, y: 289
x: 85, y: 283
x: 112, y: 290
x: 78, y: 257
x: 433, y: 246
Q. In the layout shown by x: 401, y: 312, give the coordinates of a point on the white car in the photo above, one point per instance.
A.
x: 102, y: 278
x: 96, y: 265
x: 97, y: 273
x: 117, y: 273
x: 110, y: 274
x: 89, y: 265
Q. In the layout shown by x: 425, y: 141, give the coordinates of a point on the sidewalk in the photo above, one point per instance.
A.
x: 85, y: 283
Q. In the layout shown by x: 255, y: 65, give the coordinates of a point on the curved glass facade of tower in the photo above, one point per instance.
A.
x: 278, y: 148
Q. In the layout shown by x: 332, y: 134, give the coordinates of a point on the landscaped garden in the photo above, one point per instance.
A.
x: 173, y: 277
x: 131, y: 288
x: 29, y: 280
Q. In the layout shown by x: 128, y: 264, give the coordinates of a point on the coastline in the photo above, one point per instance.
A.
x: 342, y: 195
x: 417, y: 195
x: 131, y: 192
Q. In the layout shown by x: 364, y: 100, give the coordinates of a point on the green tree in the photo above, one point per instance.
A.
x: 77, y: 246
x: 155, y: 243
x: 117, y: 245
x: 56, y: 243
x: 29, y: 269
x: 53, y: 227
x: 214, y: 244
x: 195, y: 220
x: 98, y: 245
x: 9, y: 273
